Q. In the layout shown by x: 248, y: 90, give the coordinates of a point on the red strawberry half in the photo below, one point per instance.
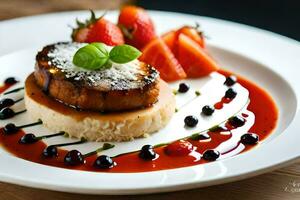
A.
x: 193, y: 58
x: 157, y: 54
x: 136, y: 26
x: 97, y: 30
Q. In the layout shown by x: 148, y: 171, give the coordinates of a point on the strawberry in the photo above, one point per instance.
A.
x: 157, y: 54
x: 136, y: 26
x: 97, y: 30
x: 186, y: 46
x: 194, y: 33
x: 80, y: 35
x: 170, y: 38
x: 193, y: 58
x: 179, y: 148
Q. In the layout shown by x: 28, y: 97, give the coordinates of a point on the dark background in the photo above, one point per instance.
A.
x: 280, y: 16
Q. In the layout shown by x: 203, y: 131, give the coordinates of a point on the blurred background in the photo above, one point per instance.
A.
x: 280, y: 16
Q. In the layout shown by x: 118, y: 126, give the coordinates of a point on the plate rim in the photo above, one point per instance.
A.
x: 166, y: 187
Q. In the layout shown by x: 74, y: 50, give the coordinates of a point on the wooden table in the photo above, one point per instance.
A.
x: 280, y: 184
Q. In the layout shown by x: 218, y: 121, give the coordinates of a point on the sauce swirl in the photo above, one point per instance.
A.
x: 261, y: 104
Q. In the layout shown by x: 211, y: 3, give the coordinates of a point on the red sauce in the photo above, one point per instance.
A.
x: 261, y: 104
x: 219, y: 105
x: 4, y: 87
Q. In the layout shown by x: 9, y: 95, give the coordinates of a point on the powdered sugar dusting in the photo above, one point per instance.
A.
x: 118, y: 77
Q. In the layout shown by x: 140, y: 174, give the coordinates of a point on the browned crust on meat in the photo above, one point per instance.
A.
x: 81, y: 95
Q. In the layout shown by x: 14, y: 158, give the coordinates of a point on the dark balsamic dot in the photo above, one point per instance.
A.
x: 50, y: 151
x: 28, y: 138
x: 10, y: 80
x: 103, y: 162
x: 147, y: 153
x: 147, y: 146
x: 230, y: 81
x: 249, y: 138
x: 190, y: 121
x: 6, y: 103
x: 10, y: 128
x: 230, y: 93
x: 74, y: 158
x: 211, y: 155
x: 237, y: 121
x: 183, y: 88
x: 208, y: 110
x: 6, y: 113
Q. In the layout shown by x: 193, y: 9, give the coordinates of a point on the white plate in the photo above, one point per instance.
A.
x: 258, y: 55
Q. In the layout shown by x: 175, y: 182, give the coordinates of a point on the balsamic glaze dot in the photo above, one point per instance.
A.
x: 237, y: 121
x: 147, y: 146
x: 10, y: 128
x: 103, y: 162
x: 249, y: 138
x: 211, y: 155
x: 230, y: 80
x: 6, y: 113
x: 147, y: 153
x: 6, y: 103
x: 183, y: 88
x: 28, y: 138
x: 10, y: 80
x: 190, y: 121
x: 230, y: 93
x: 50, y: 151
x: 74, y: 158
x: 208, y: 110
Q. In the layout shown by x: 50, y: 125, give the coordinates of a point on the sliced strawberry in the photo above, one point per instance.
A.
x: 194, y: 60
x: 193, y: 33
x: 157, y: 54
x: 179, y: 148
x: 170, y: 39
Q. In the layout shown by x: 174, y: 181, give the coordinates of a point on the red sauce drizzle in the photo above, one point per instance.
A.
x: 4, y: 87
x: 261, y: 104
x: 219, y: 105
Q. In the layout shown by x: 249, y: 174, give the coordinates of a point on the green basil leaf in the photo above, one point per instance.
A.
x: 102, y: 48
x: 123, y: 54
x: 90, y: 57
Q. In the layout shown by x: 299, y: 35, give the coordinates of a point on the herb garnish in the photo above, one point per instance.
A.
x: 97, y: 56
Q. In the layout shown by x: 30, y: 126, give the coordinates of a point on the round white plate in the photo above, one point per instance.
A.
x: 256, y: 54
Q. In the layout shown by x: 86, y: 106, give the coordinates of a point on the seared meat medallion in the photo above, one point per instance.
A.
x: 128, y: 86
